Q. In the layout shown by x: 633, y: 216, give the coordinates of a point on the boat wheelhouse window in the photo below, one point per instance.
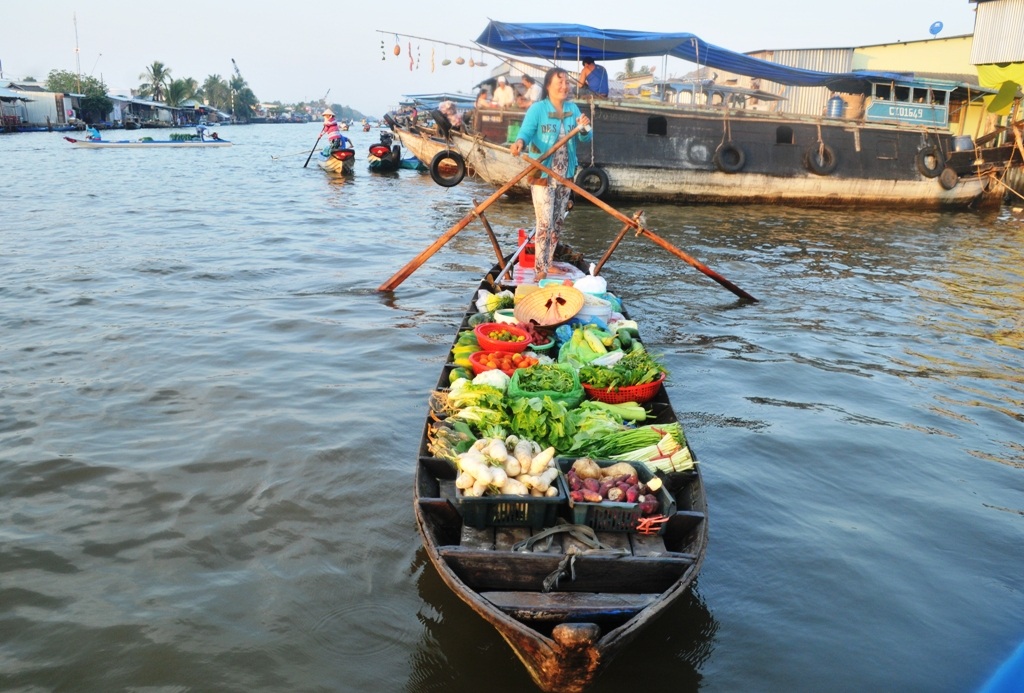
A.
x: 657, y: 125
x: 783, y: 135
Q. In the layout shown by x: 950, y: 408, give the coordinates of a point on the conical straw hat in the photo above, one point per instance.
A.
x: 550, y: 305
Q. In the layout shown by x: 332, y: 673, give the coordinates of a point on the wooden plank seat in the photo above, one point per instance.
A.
x: 558, y: 607
x: 484, y: 570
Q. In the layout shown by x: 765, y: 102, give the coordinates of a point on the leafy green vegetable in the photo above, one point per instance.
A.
x: 635, y: 368
x: 632, y: 440
x: 543, y: 420
x: 592, y: 424
x: 545, y: 378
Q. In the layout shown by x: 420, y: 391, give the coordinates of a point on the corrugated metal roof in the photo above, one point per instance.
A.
x: 809, y: 100
x: 998, y: 32
x: 11, y: 95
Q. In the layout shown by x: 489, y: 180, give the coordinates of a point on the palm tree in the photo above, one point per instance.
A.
x: 243, y: 100
x: 628, y: 72
x: 155, y: 80
x: 181, y: 90
x: 216, y: 92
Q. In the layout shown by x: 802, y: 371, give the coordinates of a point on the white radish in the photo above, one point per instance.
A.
x: 514, y: 487
x: 497, y: 450
x: 498, y: 476
x: 524, y: 453
x: 512, y: 467
x: 542, y: 460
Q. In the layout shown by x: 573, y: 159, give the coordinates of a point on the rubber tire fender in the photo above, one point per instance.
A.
x: 396, y: 154
x: 594, y: 180
x: 435, y: 168
x: 444, y: 126
x: 948, y: 178
x: 729, y: 158
x: 926, y: 153
x: 820, y: 159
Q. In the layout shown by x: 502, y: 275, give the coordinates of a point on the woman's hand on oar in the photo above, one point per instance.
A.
x: 312, y: 150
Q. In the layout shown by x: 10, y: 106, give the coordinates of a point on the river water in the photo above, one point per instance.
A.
x: 209, y: 417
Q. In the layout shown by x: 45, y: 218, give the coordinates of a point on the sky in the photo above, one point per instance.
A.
x: 303, y: 51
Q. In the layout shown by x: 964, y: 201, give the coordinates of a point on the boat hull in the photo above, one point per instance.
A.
x: 566, y: 637
x: 341, y: 161
x: 152, y: 144
x: 701, y: 156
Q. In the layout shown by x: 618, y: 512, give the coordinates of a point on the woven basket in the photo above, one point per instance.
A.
x: 629, y: 393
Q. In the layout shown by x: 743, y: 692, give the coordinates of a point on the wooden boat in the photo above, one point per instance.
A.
x: 147, y: 143
x: 337, y: 160
x: 708, y: 143
x: 384, y: 155
x: 568, y: 635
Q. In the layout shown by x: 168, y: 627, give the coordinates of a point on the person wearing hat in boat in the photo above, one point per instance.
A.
x: 504, y: 96
x: 593, y: 78
x: 201, y: 130
x: 92, y: 134
x: 545, y: 123
x: 335, y: 139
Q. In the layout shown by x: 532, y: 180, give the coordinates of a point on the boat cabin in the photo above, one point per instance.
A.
x: 913, y: 102
x: 706, y: 92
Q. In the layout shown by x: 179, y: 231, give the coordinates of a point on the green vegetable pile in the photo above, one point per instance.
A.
x: 638, y: 367
x: 545, y: 378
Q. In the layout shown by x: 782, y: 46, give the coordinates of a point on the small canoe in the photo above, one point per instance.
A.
x: 147, y: 143
x: 566, y: 609
x: 337, y: 161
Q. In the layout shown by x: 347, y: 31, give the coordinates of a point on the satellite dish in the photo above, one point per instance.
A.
x: 935, y: 28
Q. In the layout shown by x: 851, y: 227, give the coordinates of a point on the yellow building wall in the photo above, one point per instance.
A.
x: 945, y: 58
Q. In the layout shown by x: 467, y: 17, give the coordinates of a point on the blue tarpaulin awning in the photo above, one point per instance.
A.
x: 576, y: 41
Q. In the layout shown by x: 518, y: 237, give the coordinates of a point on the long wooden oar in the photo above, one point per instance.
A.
x: 311, y: 151
x: 281, y: 156
x: 414, y: 264
x: 642, y: 231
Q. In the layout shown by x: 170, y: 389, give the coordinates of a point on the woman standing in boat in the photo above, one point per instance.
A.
x: 333, y: 131
x: 546, y: 122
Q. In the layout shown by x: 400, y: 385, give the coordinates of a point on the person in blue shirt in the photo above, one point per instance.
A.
x: 546, y: 122
x: 92, y: 134
x: 594, y: 78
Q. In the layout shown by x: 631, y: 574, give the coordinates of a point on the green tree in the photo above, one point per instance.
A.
x: 95, y: 105
x: 632, y: 71
x: 243, y: 100
x: 181, y: 90
x: 155, y: 80
x: 216, y: 93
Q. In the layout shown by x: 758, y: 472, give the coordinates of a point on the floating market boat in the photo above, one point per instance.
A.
x: 337, y: 160
x: 887, y: 143
x: 567, y: 584
x: 148, y: 143
x: 385, y: 155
